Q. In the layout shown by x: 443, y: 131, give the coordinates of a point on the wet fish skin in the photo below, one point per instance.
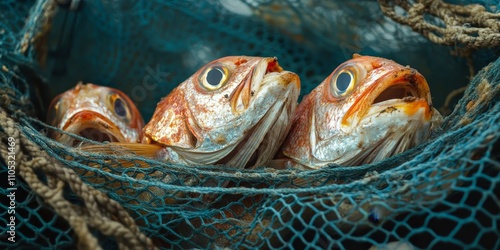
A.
x: 368, y: 109
x: 95, y: 112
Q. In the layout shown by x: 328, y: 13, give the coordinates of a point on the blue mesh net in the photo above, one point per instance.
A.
x: 443, y: 193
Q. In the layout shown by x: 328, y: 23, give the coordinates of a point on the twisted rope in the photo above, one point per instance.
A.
x: 98, y: 211
x: 469, y: 25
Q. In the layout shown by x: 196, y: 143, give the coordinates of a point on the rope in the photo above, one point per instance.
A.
x: 98, y: 211
x: 469, y: 25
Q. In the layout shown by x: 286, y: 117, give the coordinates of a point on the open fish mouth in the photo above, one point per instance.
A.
x: 401, y: 91
x: 404, y: 90
x: 392, y: 116
x: 93, y: 134
x: 97, y: 135
x: 90, y: 125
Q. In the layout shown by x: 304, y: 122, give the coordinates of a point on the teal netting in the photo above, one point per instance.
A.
x: 444, y: 193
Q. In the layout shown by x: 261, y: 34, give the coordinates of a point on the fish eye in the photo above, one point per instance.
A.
x: 118, y: 106
x: 214, y: 77
x: 343, y: 82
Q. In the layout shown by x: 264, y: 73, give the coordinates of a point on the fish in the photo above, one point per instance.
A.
x: 94, y: 112
x: 234, y: 111
x: 366, y: 110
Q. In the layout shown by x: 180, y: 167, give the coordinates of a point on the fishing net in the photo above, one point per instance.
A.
x: 443, y: 193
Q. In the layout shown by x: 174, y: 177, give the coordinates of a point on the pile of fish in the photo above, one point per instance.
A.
x: 242, y: 112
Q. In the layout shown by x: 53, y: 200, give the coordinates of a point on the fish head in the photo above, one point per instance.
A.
x: 235, y: 110
x: 95, y: 112
x: 368, y: 109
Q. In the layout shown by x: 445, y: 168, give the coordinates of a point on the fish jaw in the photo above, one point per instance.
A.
x: 405, y: 86
x: 93, y: 126
x: 383, y: 132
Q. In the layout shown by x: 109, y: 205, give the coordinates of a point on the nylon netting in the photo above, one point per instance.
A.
x: 443, y: 193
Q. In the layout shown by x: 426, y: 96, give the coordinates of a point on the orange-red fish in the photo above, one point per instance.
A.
x: 235, y: 111
x: 95, y: 112
x: 368, y: 109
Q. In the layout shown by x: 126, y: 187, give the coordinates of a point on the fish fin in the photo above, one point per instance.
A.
x: 150, y: 151
x: 122, y: 148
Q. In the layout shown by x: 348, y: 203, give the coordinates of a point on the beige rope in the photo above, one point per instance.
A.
x: 98, y: 212
x: 469, y: 25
